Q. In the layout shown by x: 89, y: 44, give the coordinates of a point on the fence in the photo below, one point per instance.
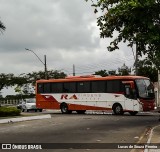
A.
x: 9, y: 102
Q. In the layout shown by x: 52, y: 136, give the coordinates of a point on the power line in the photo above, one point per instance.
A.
x: 104, y: 64
x: 109, y: 64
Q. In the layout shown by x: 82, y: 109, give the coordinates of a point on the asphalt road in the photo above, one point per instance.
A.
x: 94, y: 129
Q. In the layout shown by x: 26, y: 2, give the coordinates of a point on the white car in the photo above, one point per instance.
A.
x: 29, y: 104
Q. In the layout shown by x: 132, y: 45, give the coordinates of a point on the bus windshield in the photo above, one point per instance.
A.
x: 145, y: 88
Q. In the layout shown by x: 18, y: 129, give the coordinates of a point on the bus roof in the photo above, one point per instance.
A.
x: 91, y: 78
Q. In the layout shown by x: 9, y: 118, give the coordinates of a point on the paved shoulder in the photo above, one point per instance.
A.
x: 25, y: 118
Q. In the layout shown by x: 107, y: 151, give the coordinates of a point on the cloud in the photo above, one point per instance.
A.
x: 65, y: 31
x: 46, y: 24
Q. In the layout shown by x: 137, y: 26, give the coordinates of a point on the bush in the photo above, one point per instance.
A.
x: 9, y: 111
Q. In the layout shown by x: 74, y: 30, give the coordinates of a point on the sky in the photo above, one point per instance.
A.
x: 65, y: 31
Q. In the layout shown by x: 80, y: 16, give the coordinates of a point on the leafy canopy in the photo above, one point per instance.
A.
x: 136, y: 21
x: 146, y: 68
x: 7, y: 80
x: 25, y: 80
x: 102, y: 73
x: 2, y: 27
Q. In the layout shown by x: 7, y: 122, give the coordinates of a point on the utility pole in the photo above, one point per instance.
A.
x: 136, y: 60
x: 74, y: 70
x: 44, y: 63
x: 45, y: 66
x: 158, y: 102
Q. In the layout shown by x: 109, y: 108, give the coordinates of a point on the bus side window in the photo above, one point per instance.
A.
x: 98, y: 86
x: 56, y: 87
x: 83, y: 87
x: 47, y: 88
x: 69, y: 87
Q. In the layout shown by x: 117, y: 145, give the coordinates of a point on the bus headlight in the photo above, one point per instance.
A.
x: 155, y: 108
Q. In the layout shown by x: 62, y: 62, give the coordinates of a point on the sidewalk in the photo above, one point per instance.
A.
x: 154, y: 138
x: 11, y: 120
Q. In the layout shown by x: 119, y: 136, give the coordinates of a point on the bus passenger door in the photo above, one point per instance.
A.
x: 130, y: 102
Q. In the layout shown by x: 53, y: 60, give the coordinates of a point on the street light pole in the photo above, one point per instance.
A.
x: 44, y: 63
x: 45, y: 66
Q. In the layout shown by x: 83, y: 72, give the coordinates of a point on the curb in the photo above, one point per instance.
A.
x: 150, y: 138
x: 11, y: 120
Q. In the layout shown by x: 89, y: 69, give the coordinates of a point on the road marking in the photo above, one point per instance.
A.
x: 140, y: 139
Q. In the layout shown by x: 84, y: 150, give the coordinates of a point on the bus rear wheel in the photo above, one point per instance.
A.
x: 117, y: 109
x: 64, y: 108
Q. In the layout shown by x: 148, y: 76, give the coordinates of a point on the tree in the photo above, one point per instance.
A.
x: 2, y: 27
x: 32, y: 77
x: 136, y: 21
x: 124, y: 70
x: 9, y: 80
x: 29, y: 86
x: 146, y: 68
x: 25, y: 84
x: 102, y: 73
x: 154, y: 60
x: 5, y: 80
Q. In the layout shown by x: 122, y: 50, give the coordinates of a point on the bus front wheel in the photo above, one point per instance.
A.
x: 64, y: 108
x: 117, y: 109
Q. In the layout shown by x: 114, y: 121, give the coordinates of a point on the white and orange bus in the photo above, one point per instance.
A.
x: 121, y: 94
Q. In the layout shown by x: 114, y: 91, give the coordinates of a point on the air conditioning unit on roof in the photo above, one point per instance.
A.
x: 83, y: 76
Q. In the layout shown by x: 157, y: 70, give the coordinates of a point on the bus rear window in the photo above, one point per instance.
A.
x: 43, y: 88
x: 40, y: 88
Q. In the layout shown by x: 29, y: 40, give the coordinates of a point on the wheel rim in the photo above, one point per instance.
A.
x: 64, y: 109
x: 118, y: 109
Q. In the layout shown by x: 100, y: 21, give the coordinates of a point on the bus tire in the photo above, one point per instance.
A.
x: 40, y: 110
x: 117, y: 109
x: 81, y: 111
x: 69, y: 111
x: 133, y: 113
x: 64, y: 108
